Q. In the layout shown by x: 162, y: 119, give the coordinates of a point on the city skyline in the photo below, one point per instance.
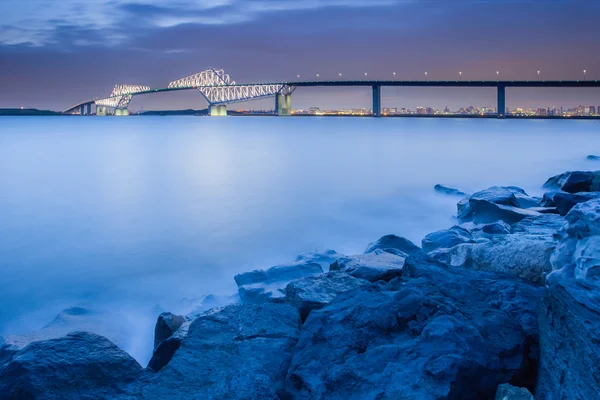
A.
x: 57, y: 53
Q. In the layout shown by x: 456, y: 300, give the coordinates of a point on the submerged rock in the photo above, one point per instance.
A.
x: 393, y: 244
x: 78, y: 365
x: 262, y: 286
x: 509, y: 392
x: 593, y: 158
x: 448, y: 190
x: 377, y: 266
x: 426, y: 335
x: 315, y: 292
x: 239, y: 352
x: 569, y: 337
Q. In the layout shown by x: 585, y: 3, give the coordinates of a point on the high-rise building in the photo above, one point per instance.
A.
x: 592, y: 110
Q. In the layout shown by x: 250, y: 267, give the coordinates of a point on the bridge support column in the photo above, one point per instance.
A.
x: 501, y: 106
x: 283, y: 104
x: 81, y: 110
x: 101, y: 111
x: 376, y: 101
x: 217, y: 110
x: 121, y: 112
x: 89, y: 109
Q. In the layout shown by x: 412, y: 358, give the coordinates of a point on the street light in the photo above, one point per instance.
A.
x: 318, y: 76
x: 365, y: 75
x: 340, y: 74
x: 538, y: 75
x: 584, y: 71
x: 497, y: 74
x: 426, y: 76
x: 460, y: 74
x: 394, y: 75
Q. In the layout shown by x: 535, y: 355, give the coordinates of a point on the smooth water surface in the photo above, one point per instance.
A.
x: 131, y: 213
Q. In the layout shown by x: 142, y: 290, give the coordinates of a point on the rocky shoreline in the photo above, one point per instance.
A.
x: 504, y: 305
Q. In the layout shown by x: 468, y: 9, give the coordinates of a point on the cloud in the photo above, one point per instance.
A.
x: 110, y: 22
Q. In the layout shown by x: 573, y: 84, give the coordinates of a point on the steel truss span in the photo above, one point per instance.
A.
x: 217, y: 87
x: 122, y: 95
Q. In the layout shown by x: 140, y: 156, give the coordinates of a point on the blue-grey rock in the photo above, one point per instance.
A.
x: 546, y: 224
x: 423, y: 336
x: 486, y: 212
x: 566, y: 201
x: 510, y: 196
x: 377, y: 266
x: 587, y: 258
x: 575, y: 181
x: 448, y: 190
x: 593, y: 157
x: 80, y: 365
x: 569, y: 337
x: 166, y: 325
x: 446, y: 238
x: 393, y: 242
x: 544, y: 210
x: 584, y: 219
x: 509, y: 392
x: 240, y: 352
x: 323, y: 258
x: 315, y: 292
x: 262, y: 286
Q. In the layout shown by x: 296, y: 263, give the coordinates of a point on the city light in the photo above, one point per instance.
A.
x: 584, y: 71
x: 426, y: 76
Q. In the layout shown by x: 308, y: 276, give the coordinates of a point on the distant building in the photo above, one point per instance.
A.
x: 592, y: 110
x: 313, y: 110
x: 542, y: 112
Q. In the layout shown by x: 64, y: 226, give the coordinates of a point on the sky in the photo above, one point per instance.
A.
x: 55, y: 53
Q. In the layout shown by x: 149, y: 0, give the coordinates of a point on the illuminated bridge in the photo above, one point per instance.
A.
x: 219, y: 89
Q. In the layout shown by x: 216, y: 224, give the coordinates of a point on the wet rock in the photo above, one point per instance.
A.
x: 584, y: 219
x: 593, y: 158
x: 510, y: 196
x: 78, y: 365
x: 509, y: 392
x: 446, y: 238
x: 166, y: 325
x: 566, y: 201
x: 587, y: 258
x: 547, y: 224
x: 323, y: 258
x: 315, y: 292
x: 575, y: 181
x: 569, y: 337
x: 240, y: 352
x: 262, y: 286
x: 485, y: 212
x: 377, y: 266
x: 389, y: 243
x: 448, y: 190
x: 166, y: 349
x: 544, y: 210
x: 422, y: 336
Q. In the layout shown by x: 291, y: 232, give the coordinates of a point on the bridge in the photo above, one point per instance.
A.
x: 219, y: 89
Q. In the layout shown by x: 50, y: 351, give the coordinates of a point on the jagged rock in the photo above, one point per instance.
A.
x: 584, y: 219
x: 315, y: 292
x: 593, y: 158
x: 166, y: 325
x: 165, y: 350
x: 587, y: 257
x: 448, y: 190
x: 323, y: 258
x: 541, y: 225
x: 485, y: 212
x: 509, y: 392
x: 484, y: 230
x: 240, y: 352
x: 377, y: 266
x: 192, y: 308
x: 389, y: 243
x: 78, y: 365
x: 446, y: 238
x: 523, y: 256
x: 566, y: 201
x: 544, y: 210
x: 575, y: 181
x: 569, y: 337
x: 261, y: 286
x: 510, y: 196
x: 422, y: 336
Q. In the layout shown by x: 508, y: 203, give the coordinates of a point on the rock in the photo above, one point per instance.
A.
x: 587, y: 257
x: 523, y: 256
x: 484, y: 230
x: 584, y: 219
x: 546, y: 224
x: 510, y: 196
x: 78, y: 365
x: 569, y: 336
x: 166, y: 349
x: 575, y: 181
x: 485, y: 212
x: 315, y: 292
x: 593, y: 158
x: 566, y: 201
x: 166, y: 325
x: 377, y: 266
x: 192, y: 308
x: 448, y: 190
x: 240, y: 352
x: 393, y: 242
x: 267, y: 286
x: 446, y: 238
x: 428, y: 338
x: 323, y: 258
x: 509, y: 392
x: 544, y: 210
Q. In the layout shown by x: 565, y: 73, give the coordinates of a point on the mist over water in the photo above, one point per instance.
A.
x: 134, y: 214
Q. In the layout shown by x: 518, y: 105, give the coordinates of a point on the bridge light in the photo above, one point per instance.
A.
x: 584, y: 71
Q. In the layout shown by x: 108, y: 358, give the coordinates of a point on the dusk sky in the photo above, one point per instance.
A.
x: 55, y: 53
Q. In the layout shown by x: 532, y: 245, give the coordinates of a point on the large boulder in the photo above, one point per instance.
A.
x: 166, y: 325
x: 575, y: 181
x: 315, y: 292
x: 393, y: 244
x: 547, y: 224
x: 569, y: 336
x: 423, y: 336
x: 262, y: 286
x: 446, y: 238
x: 566, y: 201
x: 485, y: 212
x: 377, y: 266
x: 80, y: 365
x: 510, y: 196
x: 240, y: 352
x: 509, y: 392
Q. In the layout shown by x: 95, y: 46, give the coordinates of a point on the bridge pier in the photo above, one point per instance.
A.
x: 121, y: 112
x: 82, y: 110
x: 217, y: 110
x: 283, y: 104
x: 101, y: 111
x: 376, y: 101
x: 501, y: 104
x: 89, y: 109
